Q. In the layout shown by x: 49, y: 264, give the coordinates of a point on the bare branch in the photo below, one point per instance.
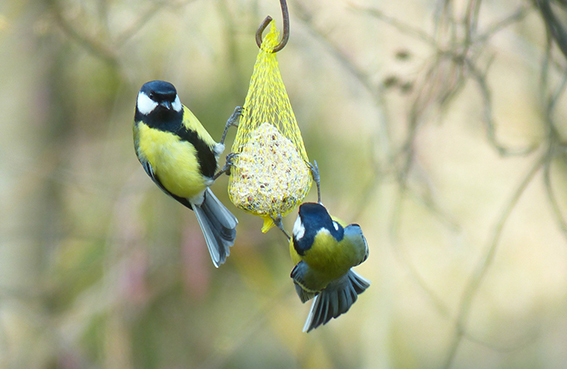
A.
x: 399, y: 25
x: 485, y: 262
x: 89, y: 42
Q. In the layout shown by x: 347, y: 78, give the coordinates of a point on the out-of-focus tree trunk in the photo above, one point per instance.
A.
x: 35, y: 91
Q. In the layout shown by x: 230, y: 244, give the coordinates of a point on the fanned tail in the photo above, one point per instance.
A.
x: 335, y: 299
x: 218, y: 225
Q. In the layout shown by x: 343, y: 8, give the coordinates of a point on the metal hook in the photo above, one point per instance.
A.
x: 285, y: 38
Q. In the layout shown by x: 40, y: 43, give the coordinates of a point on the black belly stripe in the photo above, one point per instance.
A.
x: 171, y: 121
x: 205, y: 156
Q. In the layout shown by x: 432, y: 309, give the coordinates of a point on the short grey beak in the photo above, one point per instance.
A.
x: 166, y: 104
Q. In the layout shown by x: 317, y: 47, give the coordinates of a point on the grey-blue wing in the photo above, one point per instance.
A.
x: 298, y: 276
x: 354, y: 234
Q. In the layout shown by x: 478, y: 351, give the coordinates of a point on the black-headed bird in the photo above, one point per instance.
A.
x: 324, y: 252
x: 180, y: 156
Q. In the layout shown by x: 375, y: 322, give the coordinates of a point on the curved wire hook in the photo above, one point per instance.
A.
x: 285, y: 38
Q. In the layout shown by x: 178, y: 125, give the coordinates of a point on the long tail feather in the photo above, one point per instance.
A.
x: 335, y: 299
x: 218, y: 225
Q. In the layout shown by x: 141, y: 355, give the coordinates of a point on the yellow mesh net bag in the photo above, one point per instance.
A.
x: 270, y: 175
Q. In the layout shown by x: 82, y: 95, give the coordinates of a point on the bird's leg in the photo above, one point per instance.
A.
x: 231, y: 122
x: 278, y: 222
x: 315, y: 174
x: 226, y: 167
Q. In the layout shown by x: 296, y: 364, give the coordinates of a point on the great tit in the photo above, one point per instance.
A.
x: 180, y: 156
x: 324, y: 252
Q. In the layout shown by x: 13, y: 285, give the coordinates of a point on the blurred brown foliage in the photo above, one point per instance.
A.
x: 438, y: 126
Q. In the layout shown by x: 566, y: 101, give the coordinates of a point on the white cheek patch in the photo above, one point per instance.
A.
x: 176, y: 105
x: 298, y: 229
x: 145, y: 104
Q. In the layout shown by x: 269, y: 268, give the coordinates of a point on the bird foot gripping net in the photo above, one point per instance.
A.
x: 270, y: 174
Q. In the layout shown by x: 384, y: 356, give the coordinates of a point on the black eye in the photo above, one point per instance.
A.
x: 151, y: 95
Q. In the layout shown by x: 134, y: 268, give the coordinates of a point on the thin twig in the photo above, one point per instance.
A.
x: 402, y: 254
x: 403, y: 27
x: 553, y: 202
x: 90, y: 43
x: 553, y: 137
x: 517, y: 16
x: 488, y: 119
x: 138, y: 24
x: 485, y: 262
x: 553, y: 24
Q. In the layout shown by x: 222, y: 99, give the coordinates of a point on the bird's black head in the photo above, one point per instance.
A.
x: 312, y: 218
x: 158, y: 102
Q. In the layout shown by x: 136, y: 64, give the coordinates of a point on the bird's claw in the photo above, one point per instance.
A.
x: 278, y: 223
x: 316, y: 177
x: 232, y: 121
x: 226, y: 168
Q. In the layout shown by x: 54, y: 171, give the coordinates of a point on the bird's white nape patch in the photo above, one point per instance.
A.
x: 176, y: 105
x: 323, y: 230
x: 145, y: 104
x: 298, y: 229
x: 336, y: 225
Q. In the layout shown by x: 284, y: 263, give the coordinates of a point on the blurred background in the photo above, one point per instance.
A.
x: 438, y: 126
